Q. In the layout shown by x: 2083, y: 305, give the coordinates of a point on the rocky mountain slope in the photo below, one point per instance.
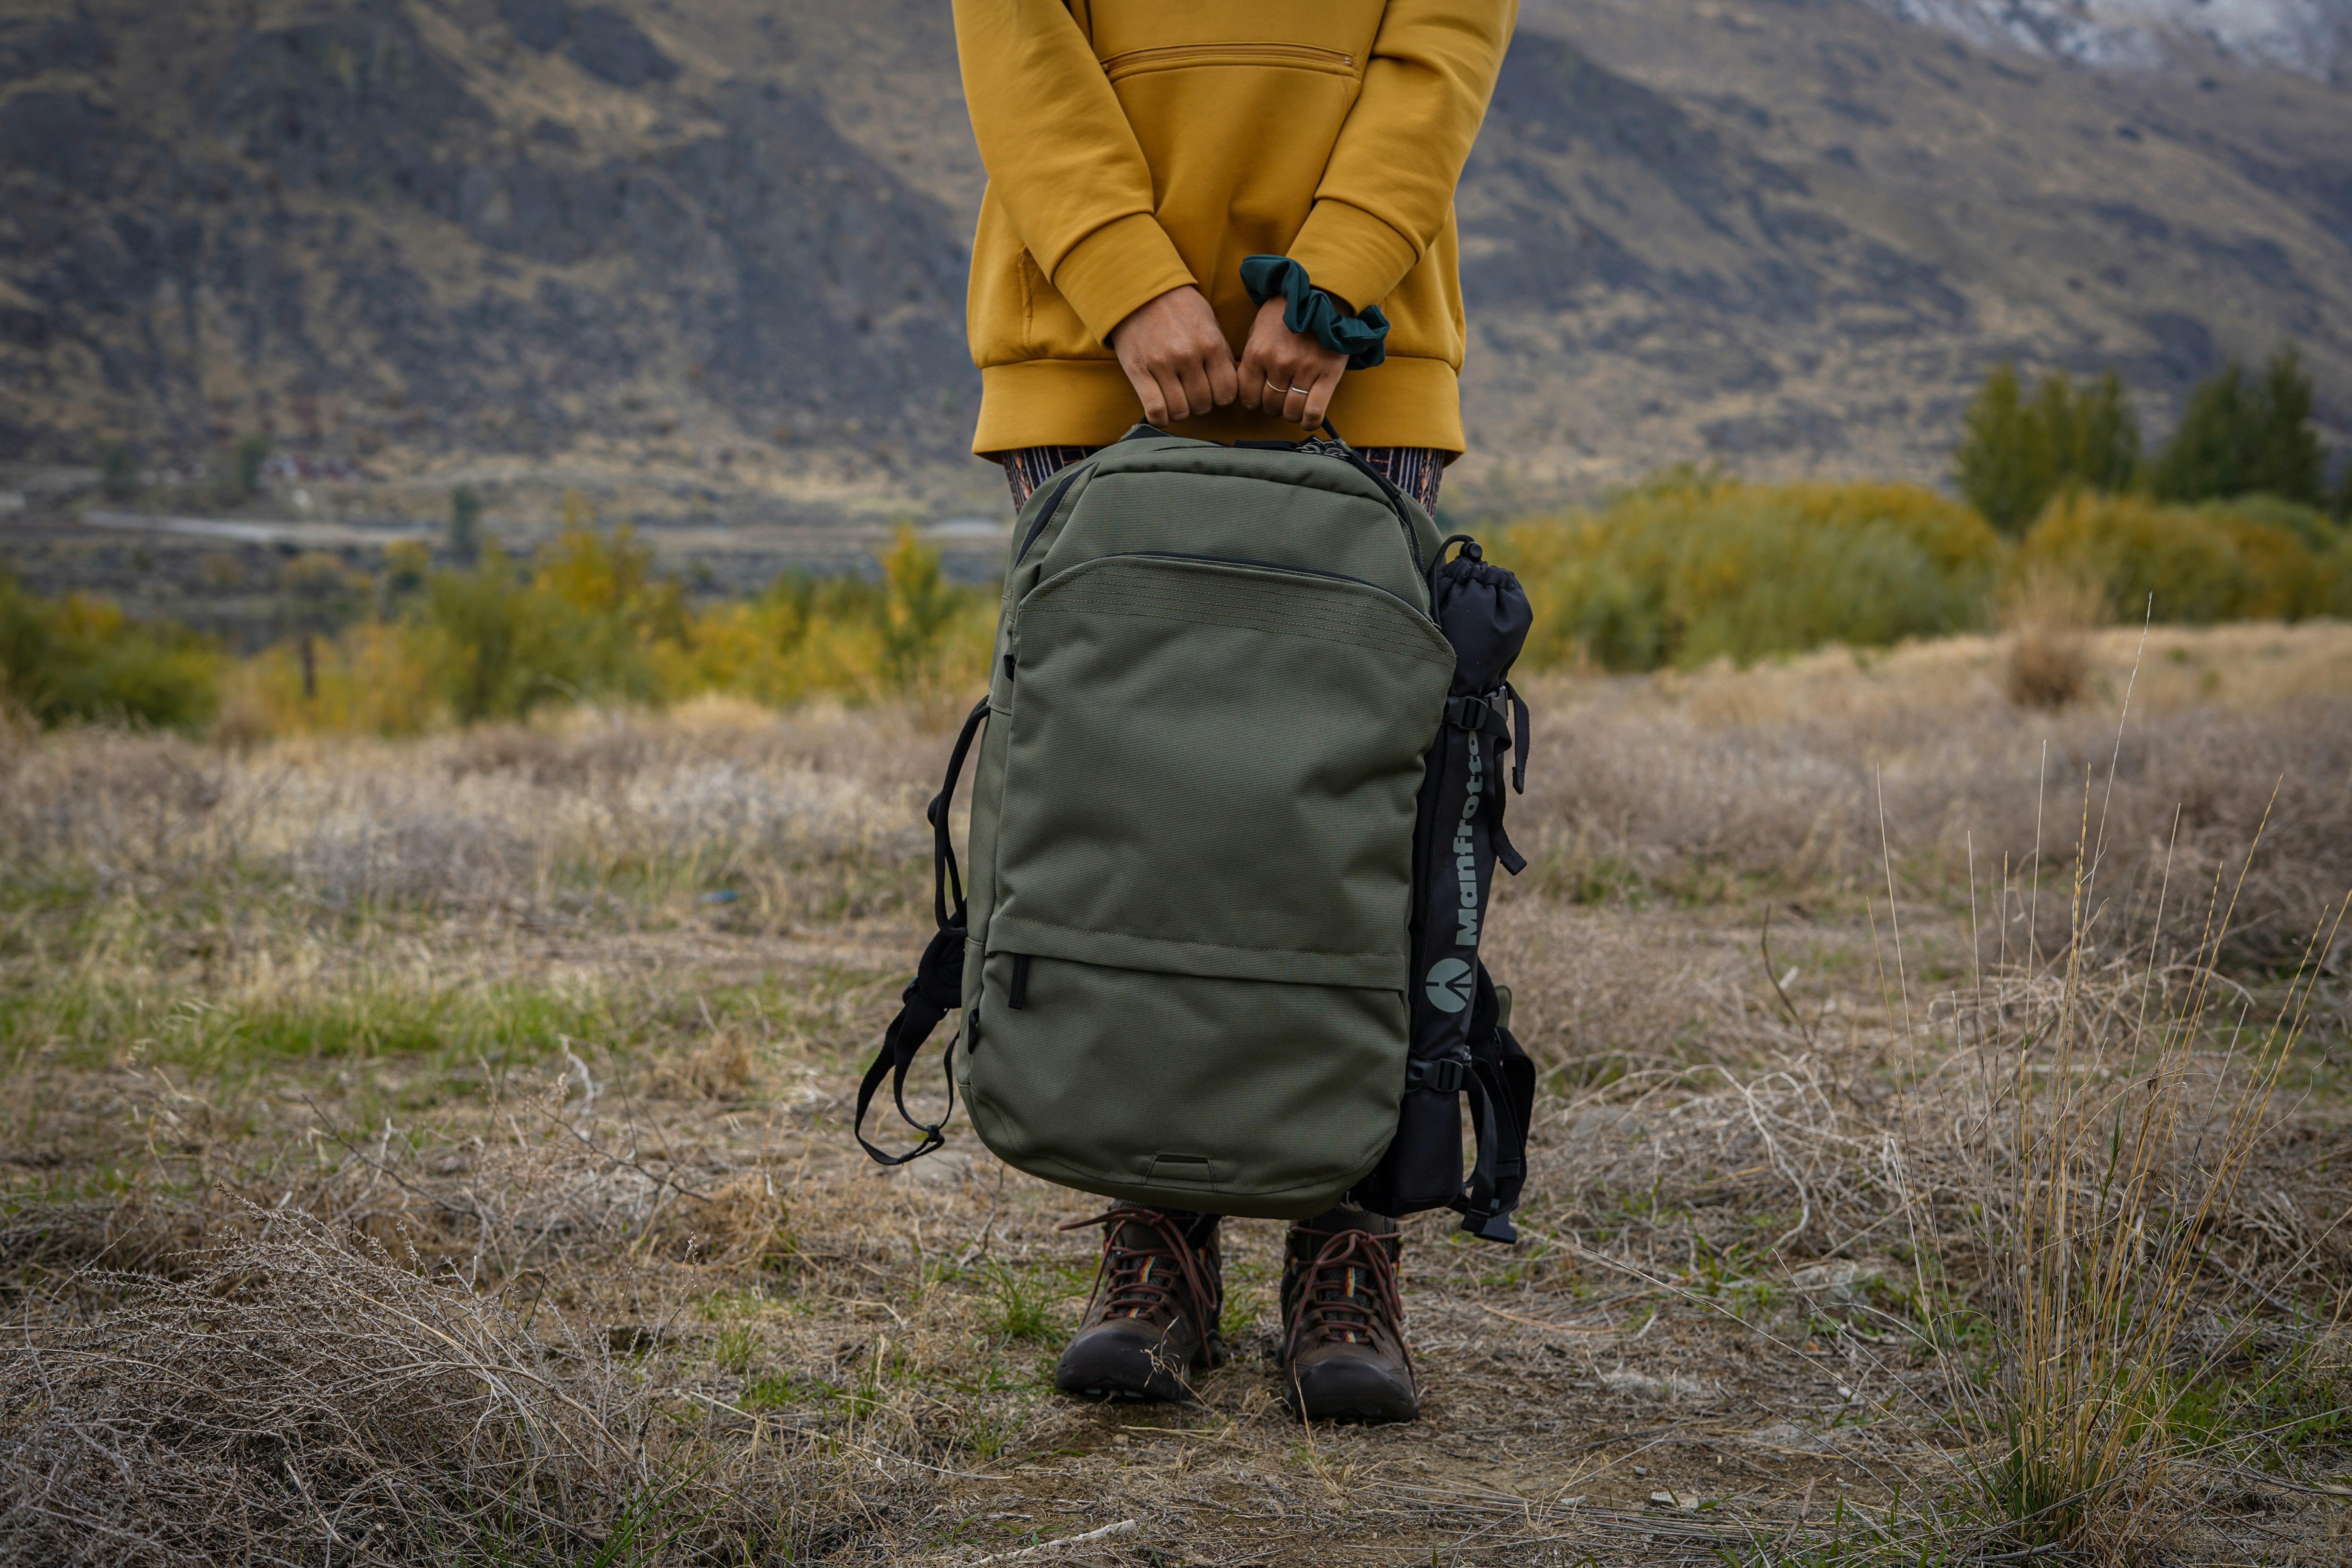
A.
x: 2309, y: 37
x: 707, y: 256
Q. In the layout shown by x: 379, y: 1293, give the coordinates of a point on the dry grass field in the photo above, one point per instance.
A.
x: 438, y: 1151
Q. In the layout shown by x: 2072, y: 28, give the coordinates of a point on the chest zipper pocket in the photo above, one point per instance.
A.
x: 1180, y: 57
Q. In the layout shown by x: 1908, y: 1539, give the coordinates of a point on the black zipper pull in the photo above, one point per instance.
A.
x: 1018, y: 995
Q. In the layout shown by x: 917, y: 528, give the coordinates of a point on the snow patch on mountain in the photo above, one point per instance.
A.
x: 2311, y: 37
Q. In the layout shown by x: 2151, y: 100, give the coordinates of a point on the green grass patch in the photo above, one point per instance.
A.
x: 89, y: 1021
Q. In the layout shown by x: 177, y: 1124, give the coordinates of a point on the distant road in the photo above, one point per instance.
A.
x: 314, y: 535
x: 731, y: 558
x: 955, y: 532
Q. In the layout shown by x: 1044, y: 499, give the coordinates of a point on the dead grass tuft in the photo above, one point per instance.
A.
x: 741, y: 1223
x: 296, y: 1398
x: 721, y: 1067
x: 2049, y: 617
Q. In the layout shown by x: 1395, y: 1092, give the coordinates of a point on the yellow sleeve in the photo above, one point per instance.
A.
x: 1389, y: 187
x: 1062, y: 158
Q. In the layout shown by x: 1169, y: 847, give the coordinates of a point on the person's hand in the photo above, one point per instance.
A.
x: 1176, y: 356
x: 1287, y: 373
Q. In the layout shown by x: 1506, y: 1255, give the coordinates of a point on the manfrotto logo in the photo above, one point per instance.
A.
x: 1465, y: 859
x: 1449, y: 986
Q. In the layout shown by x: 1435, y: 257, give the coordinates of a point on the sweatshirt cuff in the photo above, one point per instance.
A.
x: 1352, y: 253
x: 1122, y: 265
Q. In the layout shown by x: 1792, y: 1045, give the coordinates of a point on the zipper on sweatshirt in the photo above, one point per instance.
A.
x: 1177, y: 57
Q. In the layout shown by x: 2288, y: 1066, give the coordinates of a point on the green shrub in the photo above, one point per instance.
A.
x: 497, y: 650
x: 918, y: 610
x: 81, y: 659
x: 583, y: 625
x: 1690, y: 567
x: 2257, y: 558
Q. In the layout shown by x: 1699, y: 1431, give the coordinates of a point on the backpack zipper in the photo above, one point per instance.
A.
x: 1046, y: 514
x: 1272, y: 566
x: 1012, y: 654
x: 1316, y: 449
x: 1315, y: 446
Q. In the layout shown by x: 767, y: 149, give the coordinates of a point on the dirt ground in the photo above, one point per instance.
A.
x: 1712, y: 1344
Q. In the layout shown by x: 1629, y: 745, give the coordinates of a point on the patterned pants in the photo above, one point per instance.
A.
x: 1415, y: 470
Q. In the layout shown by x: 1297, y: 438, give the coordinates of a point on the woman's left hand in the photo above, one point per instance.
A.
x: 1287, y: 373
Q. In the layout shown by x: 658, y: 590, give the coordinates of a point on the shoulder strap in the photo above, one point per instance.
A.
x: 937, y: 988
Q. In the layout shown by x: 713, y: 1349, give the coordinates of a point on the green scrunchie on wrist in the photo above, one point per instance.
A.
x: 1362, y: 336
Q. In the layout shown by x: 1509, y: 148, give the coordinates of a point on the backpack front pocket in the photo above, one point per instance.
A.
x: 1210, y: 789
x: 1213, y: 770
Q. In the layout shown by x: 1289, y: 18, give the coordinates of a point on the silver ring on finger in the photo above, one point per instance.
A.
x: 1302, y: 391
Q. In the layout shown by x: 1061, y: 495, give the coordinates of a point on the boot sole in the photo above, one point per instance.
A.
x: 1368, y: 1407
x: 1357, y: 1416
x: 1208, y: 1357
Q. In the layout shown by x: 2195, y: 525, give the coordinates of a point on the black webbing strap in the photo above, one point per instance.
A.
x: 1484, y: 1215
x: 1518, y: 738
x: 1500, y: 1082
x: 937, y: 988
x: 1446, y: 1075
x: 1501, y: 715
x: 1486, y: 716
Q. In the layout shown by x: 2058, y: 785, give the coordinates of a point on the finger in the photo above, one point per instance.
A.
x: 1225, y: 378
x: 1146, y: 392
x: 1319, y: 399
x: 1194, y: 377
x: 1293, y: 402
x: 1172, y: 390
x: 1250, y: 382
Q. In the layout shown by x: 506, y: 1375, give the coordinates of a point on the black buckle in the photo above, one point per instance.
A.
x: 1468, y: 712
x: 1490, y: 1226
x: 1446, y: 1076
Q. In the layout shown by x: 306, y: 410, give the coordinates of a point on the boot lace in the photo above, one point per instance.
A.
x: 1142, y: 1281
x: 1349, y: 1294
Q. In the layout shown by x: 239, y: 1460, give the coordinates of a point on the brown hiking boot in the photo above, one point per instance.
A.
x: 1159, y: 1295
x: 1343, y: 1355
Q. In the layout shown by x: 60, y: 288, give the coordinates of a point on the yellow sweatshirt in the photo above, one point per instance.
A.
x: 1135, y: 146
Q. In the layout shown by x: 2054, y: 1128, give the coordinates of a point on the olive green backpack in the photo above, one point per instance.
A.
x: 1186, y: 955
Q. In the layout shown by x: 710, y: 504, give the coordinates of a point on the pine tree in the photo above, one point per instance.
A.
x: 2105, y: 451
x: 2239, y: 436
x: 2049, y: 436
x: 464, y: 524
x: 2016, y: 455
x: 2284, y: 459
x: 2207, y: 456
x: 1996, y: 467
